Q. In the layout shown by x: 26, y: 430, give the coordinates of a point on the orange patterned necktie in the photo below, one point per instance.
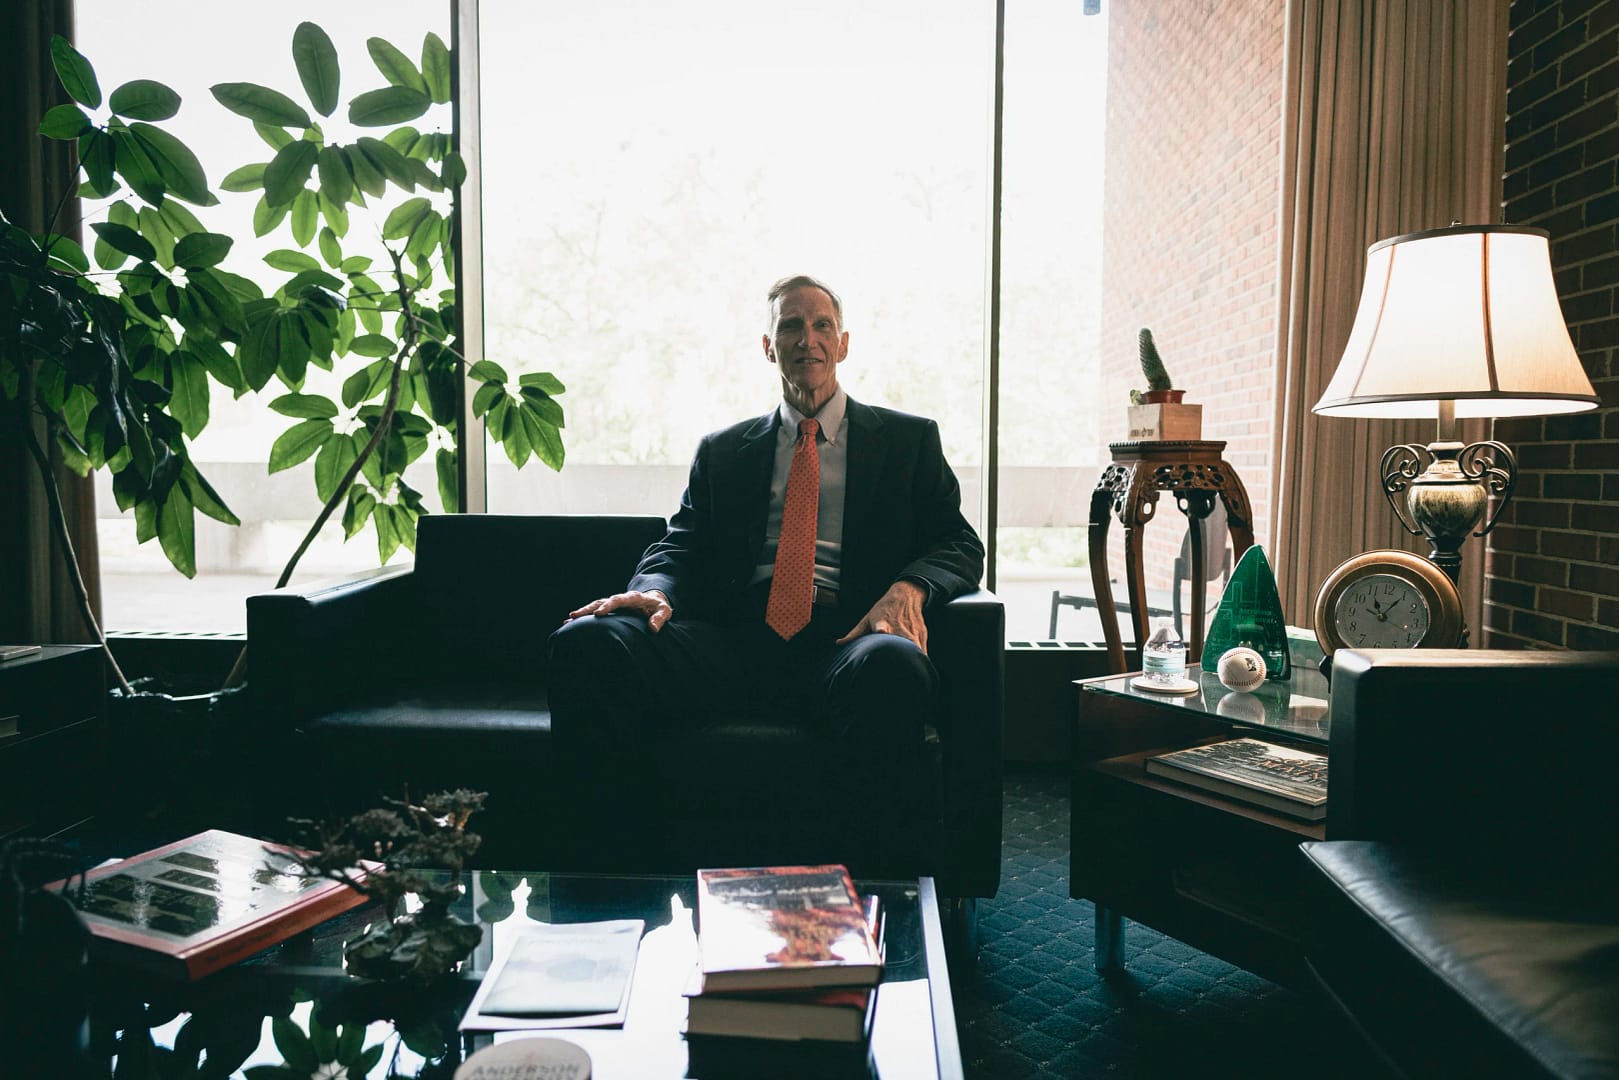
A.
x: 791, y: 589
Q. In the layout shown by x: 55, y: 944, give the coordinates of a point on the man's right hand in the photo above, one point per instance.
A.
x: 653, y: 604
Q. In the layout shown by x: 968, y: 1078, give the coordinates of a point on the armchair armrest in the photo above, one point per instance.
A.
x: 1473, y: 748
x: 967, y: 642
x: 312, y: 649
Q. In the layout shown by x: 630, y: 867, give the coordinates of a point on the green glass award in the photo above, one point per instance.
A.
x: 1250, y: 614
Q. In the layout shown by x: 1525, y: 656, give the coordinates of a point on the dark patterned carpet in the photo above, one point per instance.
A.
x: 1035, y: 1006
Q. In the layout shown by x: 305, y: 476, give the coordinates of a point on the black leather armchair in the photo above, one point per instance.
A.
x: 1470, y: 919
x: 434, y: 676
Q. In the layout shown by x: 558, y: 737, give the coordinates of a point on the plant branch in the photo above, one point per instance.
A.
x: 340, y: 493
x: 59, y: 519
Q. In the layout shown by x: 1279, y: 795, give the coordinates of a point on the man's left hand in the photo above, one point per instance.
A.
x: 899, y: 612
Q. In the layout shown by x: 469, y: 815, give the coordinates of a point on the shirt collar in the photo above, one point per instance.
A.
x: 830, y: 417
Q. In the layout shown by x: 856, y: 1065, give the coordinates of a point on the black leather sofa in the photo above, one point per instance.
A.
x: 434, y: 677
x: 1470, y: 927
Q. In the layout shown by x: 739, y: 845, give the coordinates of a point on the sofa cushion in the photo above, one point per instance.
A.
x: 1461, y: 966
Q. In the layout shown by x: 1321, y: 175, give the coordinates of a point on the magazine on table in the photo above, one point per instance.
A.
x: 559, y: 975
x: 1281, y: 778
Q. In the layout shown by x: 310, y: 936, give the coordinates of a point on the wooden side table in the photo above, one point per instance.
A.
x: 1128, y: 489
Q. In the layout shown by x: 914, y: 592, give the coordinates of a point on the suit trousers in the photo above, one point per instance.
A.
x: 617, y: 688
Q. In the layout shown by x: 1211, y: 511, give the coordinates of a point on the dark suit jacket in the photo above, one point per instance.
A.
x: 901, y: 517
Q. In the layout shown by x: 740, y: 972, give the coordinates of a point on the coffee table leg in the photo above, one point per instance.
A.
x: 1109, y: 940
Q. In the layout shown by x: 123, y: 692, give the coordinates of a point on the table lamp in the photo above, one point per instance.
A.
x: 1455, y: 323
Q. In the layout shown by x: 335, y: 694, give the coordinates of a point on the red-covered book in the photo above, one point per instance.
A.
x: 192, y: 907
x: 830, y: 1014
x: 781, y: 928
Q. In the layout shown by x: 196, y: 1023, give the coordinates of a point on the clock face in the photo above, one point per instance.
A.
x: 1381, y: 611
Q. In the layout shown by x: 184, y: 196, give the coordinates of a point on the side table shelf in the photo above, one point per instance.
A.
x: 52, y: 740
x: 1219, y: 874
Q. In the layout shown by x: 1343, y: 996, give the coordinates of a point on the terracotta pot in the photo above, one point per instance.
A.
x: 1162, y: 397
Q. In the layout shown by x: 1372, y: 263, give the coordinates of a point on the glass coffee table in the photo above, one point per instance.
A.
x: 284, y: 1007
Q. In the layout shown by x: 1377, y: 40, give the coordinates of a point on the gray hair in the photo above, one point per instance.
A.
x: 800, y: 281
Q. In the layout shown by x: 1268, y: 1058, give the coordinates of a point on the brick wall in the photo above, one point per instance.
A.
x: 1553, y: 563
x: 1190, y: 234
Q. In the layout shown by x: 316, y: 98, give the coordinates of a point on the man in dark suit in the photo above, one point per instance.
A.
x: 723, y: 616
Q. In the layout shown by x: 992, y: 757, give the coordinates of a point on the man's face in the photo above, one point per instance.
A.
x: 807, y: 344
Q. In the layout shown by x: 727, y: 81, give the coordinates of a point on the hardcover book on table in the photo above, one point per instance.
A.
x: 783, y: 927
x: 828, y: 1014
x: 192, y: 907
x: 1281, y: 778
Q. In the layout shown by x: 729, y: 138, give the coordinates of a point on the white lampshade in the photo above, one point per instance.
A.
x: 1467, y: 314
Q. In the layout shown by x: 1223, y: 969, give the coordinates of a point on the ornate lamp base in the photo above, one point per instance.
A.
x: 1447, y: 498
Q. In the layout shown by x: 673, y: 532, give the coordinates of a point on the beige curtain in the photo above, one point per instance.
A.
x: 37, y: 601
x: 1393, y: 122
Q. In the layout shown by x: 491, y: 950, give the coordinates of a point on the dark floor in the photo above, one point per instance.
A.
x: 1034, y: 1006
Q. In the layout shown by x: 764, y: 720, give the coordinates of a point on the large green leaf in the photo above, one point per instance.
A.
x: 293, y: 262
x: 97, y: 153
x: 543, y: 381
x: 395, y: 65
x: 176, y: 165
x: 157, y: 230
x: 305, y: 406
x: 316, y: 59
x: 305, y: 216
x: 331, y: 252
x: 335, y: 213
x: 375, y: 345
x: 125, y: 239
x: 542, y: 406
x: 288, y: 172
x: 331, y: 464
x: 201, y: 249
x: 143, y: 99
x: 449, y: 491
x: 365, y: 383
x: 513, y: 433
x: 259, y: 351
x: 267, y: 217
x: 205, y: 498
x: 436, y: 68
x: 274, y: 137
x: 488, y: 371
x: 336, y: 182
x: 78, y: 77
x: 390, y: 105
x: 176, y: 531
x: 65, y: 122
x: 216, y: 296
x: 247, y: 178
x: 359, y: 509
x: 189, y: 405
x: 65, y: 253
x: 366, y: 175
x: 220, y: 364
x: 136, y: 166
x: 298, y: 443
x: 260, y: 104
x: 404, y: 218
x: 387, y: 533
x: 387, y: 161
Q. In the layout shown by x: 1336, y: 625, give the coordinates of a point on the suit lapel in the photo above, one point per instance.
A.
x: 756, y: 458
x: 868, y: 452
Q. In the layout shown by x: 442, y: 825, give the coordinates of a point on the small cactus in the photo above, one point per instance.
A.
x: 1151, y: 366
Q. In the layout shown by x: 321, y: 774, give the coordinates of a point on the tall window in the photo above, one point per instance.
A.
x: 648, y: 174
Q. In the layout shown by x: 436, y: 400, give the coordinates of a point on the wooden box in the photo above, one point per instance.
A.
x: 1166, y: 423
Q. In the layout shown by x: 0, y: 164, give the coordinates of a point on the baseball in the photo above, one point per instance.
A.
x: 1241, y: 669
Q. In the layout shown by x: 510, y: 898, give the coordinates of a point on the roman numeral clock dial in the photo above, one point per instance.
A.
x: 1388, y: 600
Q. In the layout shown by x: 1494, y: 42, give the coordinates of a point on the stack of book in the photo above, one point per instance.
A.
x: 789, y: 958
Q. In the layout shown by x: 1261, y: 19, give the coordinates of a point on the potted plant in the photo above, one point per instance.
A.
x: 121, y: 357
x: 1158, y: 413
